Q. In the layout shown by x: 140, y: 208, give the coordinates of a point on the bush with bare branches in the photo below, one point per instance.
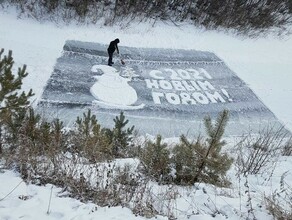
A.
x: 259, y: 153
x: 287, y: 150
x: 245, y: 17
x: 279, y: 203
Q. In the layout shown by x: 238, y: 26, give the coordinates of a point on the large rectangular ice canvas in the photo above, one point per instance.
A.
x: 161, y: 91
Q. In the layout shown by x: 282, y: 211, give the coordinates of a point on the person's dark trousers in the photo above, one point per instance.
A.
x: 110, y: 59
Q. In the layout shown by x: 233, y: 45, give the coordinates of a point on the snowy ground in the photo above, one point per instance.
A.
x: 264, y: 64
x: 32, y: 202
x: 19, y: 200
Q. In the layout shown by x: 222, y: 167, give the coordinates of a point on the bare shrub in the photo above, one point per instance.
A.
x: 258, y: 154
x: 81, y: 7
x: 279, y: 203
x: 51, y: 4
x: 287, y: 150
x: 36, y: 149
x: 245, y: 17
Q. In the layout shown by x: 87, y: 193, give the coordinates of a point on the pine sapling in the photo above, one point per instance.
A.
x: 214, y: 165
x: 156, y: 159
x: 12, y: 101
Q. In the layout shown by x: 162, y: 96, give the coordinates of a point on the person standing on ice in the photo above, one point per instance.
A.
x: 111, y: 49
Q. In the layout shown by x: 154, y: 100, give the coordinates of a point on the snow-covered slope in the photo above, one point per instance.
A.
x: 264, y: 64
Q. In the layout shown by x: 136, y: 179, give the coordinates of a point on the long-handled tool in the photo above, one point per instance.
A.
x: 122, y: 61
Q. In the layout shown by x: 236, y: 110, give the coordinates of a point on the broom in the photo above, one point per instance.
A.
x: 122, y: 61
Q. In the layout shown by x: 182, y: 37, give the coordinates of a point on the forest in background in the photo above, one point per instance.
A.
x: 250, y: 17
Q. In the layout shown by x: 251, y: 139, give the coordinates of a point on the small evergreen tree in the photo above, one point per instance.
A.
x: 60, y: 136
x: 88, y: 124
x: 203, y: 161
x: 12, y: 103
x: 31, y: 126
x: 213, y: 164
x: 186, y: 155
x: 43, y: 137
x: 120, y: 136
x: 90, y: 140
x: 156, y: 159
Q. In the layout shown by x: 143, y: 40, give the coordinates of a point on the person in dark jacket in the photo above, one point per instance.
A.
x: 111, y: 49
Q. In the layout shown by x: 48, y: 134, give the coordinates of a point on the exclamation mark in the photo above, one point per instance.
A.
x: 227, y: 95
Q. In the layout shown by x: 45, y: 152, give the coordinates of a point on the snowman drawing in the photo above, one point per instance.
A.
x: 113, y: 91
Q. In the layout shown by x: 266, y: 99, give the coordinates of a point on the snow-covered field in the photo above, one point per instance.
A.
x: 264, y: 64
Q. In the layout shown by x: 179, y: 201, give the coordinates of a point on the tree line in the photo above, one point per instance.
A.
x: 248, y: 16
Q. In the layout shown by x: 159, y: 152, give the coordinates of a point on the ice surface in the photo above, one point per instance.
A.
x: 161, y: 91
